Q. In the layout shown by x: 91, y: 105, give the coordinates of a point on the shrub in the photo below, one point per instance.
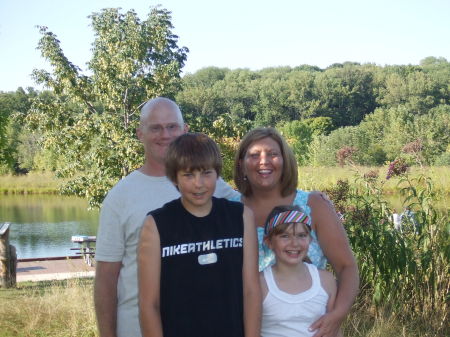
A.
x: 404, y: 271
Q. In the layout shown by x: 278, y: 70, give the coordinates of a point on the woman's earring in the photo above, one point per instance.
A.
x: 245, y: 178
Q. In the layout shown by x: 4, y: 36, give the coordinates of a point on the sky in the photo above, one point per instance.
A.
x: 253, y: 34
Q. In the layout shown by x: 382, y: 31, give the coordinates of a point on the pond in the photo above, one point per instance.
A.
x: 42, y: 225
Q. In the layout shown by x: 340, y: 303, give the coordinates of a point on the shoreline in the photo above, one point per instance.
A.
x: 52, y: 268
x: 310, y: 178
x: 50, y: 258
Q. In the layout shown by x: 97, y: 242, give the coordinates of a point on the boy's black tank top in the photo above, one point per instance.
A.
x: 201, y: 270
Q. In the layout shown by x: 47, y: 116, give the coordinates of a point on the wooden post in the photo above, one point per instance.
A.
x: 8, y: 259
x: 12, y: 265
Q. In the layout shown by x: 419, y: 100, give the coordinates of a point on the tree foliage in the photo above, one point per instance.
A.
x: 90, y: 122
x: 86, y: 123
x: 300, y: 134
x: 14, y: 107
x: 375, y: 109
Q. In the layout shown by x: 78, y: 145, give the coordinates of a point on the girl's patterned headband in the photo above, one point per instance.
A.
x: 287, y: 217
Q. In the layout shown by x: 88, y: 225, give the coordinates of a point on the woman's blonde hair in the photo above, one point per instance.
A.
x: 289, y: 175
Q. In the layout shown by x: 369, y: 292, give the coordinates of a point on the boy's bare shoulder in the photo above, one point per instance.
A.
x: 248, y: 210
x: 149, y: 229
x: 249, y: 220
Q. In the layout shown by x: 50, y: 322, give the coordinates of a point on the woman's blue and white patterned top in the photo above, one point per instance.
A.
x: 315, y: 254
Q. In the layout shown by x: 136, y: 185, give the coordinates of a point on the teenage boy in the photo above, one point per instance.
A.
x: 197, y: 255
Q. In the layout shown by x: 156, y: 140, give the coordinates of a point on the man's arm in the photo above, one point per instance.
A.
x: 105, y: 296
x: 251, y: 282
x: 149, y: 273
x: 109, y: 251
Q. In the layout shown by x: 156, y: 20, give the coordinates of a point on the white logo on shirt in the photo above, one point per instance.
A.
x: 196, y: 247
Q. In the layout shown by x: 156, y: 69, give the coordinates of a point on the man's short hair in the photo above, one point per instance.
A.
x: 192, y: 151
x: 154, y: 103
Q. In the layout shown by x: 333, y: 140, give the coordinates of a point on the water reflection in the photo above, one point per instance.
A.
x: 42, y: 225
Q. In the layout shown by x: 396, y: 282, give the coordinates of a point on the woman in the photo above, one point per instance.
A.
x: 266, y: 174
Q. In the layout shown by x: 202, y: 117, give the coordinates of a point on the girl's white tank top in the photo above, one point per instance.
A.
x: 287, y: 315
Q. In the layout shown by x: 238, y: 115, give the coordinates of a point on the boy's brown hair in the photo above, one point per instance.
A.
x: 192, y: 151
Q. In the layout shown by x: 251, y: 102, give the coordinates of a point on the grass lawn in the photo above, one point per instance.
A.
x: 31, y: 183
x: 310, y: 178
x: 56, y: 308
x: 66, y: 308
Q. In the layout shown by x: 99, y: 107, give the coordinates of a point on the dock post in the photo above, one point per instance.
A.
x: 8, y: 259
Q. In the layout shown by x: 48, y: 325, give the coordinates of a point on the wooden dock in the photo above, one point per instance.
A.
x: 52, y: 268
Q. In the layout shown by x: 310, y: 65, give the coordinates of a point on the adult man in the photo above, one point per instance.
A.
x: 122, y: 215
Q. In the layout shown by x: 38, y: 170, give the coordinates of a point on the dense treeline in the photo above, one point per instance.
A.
x: 375, y: 110
x: 379, y: 113
x: 82, y: 127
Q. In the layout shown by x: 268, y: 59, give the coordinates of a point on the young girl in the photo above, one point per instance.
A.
x: 295, y: 293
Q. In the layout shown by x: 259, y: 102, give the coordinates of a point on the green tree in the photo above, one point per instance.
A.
x: 433, y: 131
x: 205, y: 77
x: 14, y: 107
x: 324, y: 148
x: 90, y: 124
x: 5, y: 154
x: 417, y: 90
x: 286, y: 97
x: 212, y: 92
x: 320, y: 125
x: 345, y: 94
x: 298, y: 135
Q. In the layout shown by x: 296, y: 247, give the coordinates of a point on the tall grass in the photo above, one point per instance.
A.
x: 310, y: 178
x: 322, y: 178
x: 48, y: 309
x: 65, y: 308
x: 364, y: 322
x: 404, y: 273
x: 31, y: 183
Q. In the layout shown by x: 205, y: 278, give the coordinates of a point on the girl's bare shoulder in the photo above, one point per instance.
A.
x: 327, y: 281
